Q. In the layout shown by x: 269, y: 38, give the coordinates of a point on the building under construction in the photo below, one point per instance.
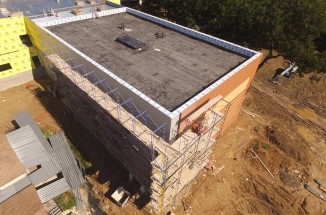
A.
x: 156, y: 94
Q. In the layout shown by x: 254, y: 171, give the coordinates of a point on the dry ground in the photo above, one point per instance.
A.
x: 288, y: 134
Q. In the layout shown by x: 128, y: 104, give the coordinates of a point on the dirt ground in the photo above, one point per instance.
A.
x: 104, y: 173
x: 285, y: 127
x: 288, y: 132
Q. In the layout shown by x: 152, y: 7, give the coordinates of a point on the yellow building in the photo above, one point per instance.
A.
x: 18, y: 56
x: 115, y: 1
x: 19, y: 60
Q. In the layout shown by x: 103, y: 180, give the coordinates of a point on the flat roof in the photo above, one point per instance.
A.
x: 35, y: 7
x: 170, y: 70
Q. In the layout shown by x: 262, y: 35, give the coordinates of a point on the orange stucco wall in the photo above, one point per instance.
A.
x: 226, y: 88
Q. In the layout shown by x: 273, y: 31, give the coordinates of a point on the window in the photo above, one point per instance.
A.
x: 5, y: 67
x: 36, y: 61
x: 26, y: 40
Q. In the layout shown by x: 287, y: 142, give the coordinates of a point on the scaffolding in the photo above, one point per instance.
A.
x: 172, y: 174
x: 167, y: 168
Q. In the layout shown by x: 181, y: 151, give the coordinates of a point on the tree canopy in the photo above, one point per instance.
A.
x: 296, y: 29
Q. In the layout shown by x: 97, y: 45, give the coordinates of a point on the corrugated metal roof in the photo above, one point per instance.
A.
x: 46, y: 171
x: 7, y: 193
x: 79, y: 202
x: 52, y: 190
x: 38, y: 176
x: 58, y: 141
x: 23, y: 119
x: 27, y: 146
x: 50, y: 169
x: 14, y: 188
x: 73, y: 176
x: 33, y: 149
x: 22, y: 183
x: 64, y: 156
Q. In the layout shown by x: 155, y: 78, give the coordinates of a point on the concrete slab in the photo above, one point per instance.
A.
x: 21, y: 78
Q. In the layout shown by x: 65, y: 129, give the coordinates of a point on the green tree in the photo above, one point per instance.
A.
x: 290, y: 27
x: 154, y: 7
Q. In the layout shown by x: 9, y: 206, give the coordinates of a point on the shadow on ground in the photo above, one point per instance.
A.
x: 106, y: 168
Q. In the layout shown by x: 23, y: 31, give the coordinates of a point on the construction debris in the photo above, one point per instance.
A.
x: 121, y: 196
x: 76, y: 12
x: 262, y: 162
x: 316, y: 192
x: 320, y: 183
x: 218, y: 170
x: 209, y: 166
x: 250, y: 113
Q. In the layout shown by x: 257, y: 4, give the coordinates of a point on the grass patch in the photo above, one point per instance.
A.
x: 65, y: 201
x: 46, y: 133
x: 86, y: 164
x: 266, y: 146
x: 256, y: 147
x: 293, y: 82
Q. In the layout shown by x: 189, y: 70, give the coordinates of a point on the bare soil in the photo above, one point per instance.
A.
x: 287, y: 133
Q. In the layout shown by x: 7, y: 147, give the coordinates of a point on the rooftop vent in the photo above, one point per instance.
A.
x: 123, y: 27
x: 131, y: 42
x: 159, y: 34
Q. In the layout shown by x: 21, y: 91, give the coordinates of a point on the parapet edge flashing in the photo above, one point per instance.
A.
x: 209, y: 89
x: 251, y: 54
x: 237, y: 49
x: 232, y: 47
x: 52, y: 20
